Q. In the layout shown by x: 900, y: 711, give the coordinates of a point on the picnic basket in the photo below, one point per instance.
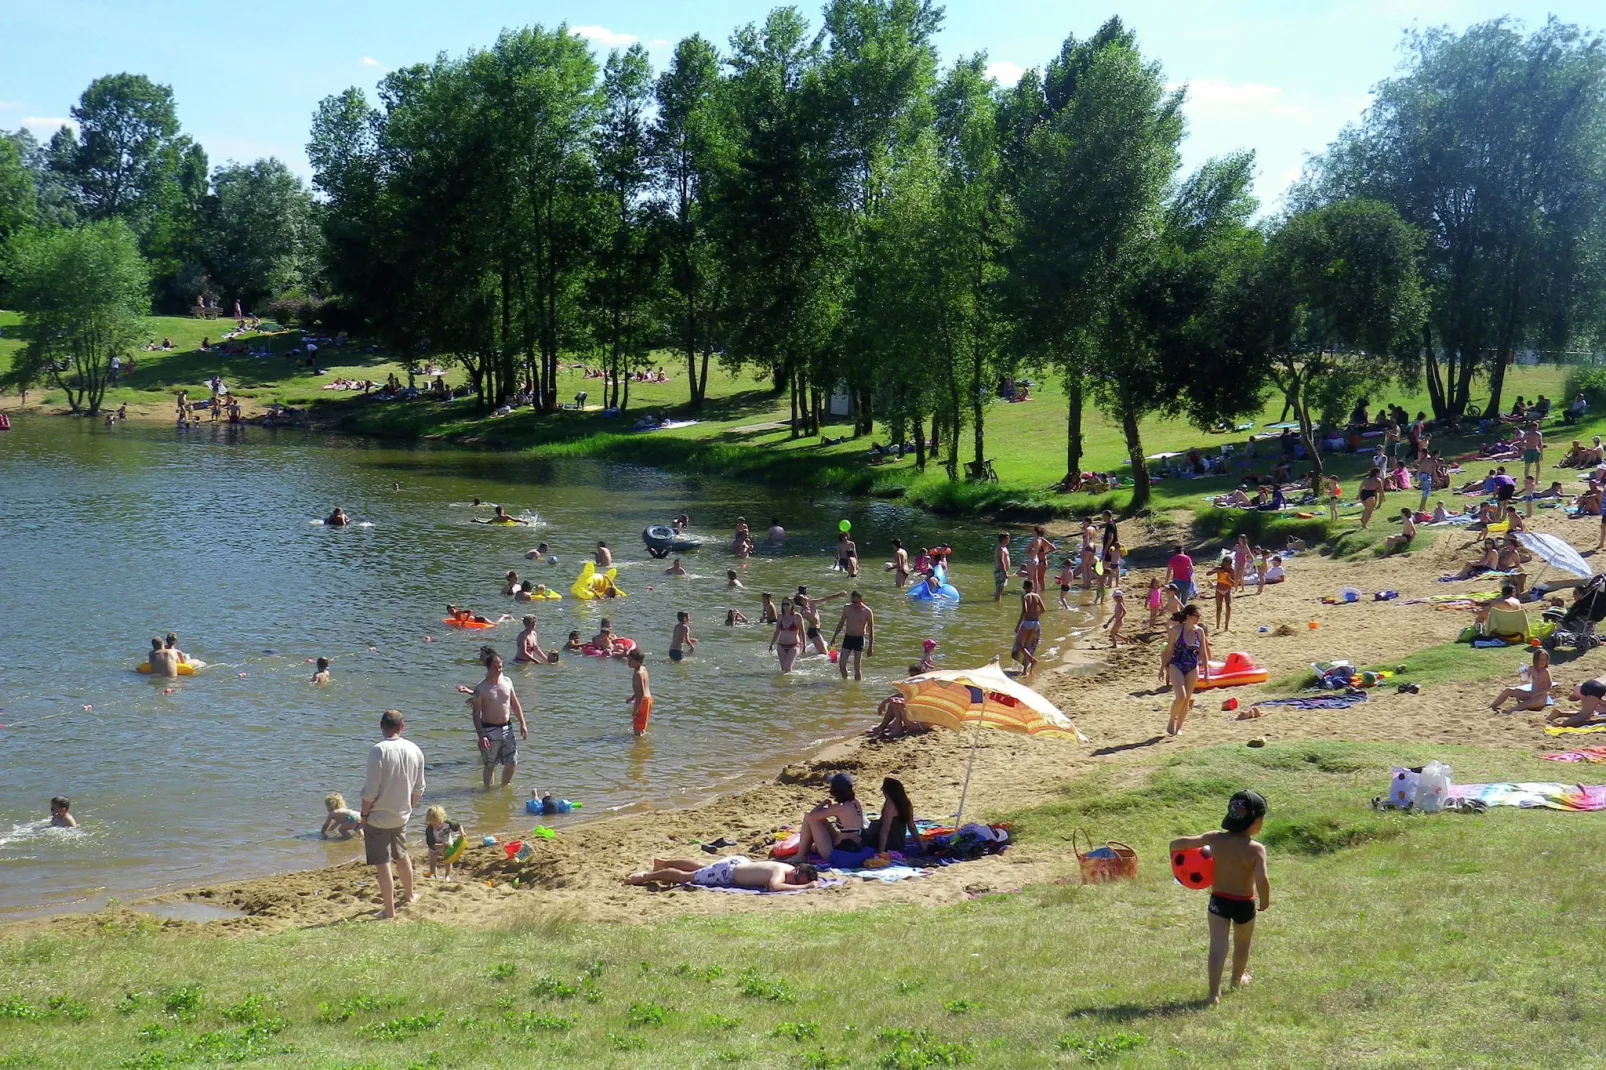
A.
x: 1112, y: 862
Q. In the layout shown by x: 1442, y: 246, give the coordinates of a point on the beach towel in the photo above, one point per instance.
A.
x: 824, y: 883
x: 1587, y: 730
x: 1593, y: 755
x: 1319, y: 702
x: 886, y: 874
x: 1574, y: 798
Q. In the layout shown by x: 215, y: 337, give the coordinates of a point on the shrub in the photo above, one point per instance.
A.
x: 1272, y: 530
x: 1589, y: 380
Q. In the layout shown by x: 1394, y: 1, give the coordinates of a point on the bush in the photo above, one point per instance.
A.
x: 291, y: 308
x: 1272, y: 530
x: 1588, y: 380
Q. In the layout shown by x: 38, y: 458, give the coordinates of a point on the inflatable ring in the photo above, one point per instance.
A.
x: 454, y: 622
x: 455, y: 851
x: 541, y: 596
x: 183, y: 668
x: 621, y: 645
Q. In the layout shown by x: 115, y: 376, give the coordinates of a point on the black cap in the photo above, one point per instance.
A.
x: 1243, y: 810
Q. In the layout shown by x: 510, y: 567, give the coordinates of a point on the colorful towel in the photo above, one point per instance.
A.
x: 1322, y: 702
x: 1576, y: 798
x: 1587, y: 730
x: 824, y: 883
x: 886, y: 874
x: 1595, y: 755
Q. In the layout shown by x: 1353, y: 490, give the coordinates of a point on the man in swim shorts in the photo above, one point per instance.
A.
x: 736, y: 871
x: 1028, y: 627
x: 1001, y: 565
x: 858, y: 620
x: 640, y: 692
x: 1533, y: 450
x: 681, y: 638
x: 493, y: 704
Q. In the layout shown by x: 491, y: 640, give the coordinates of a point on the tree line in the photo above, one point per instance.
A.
x: 832, y: 208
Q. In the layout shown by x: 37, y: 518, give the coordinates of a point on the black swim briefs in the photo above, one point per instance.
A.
x: 1238, y: 911
x: 1592, y: 688
x: 676, y: 655
x: 852, y: 642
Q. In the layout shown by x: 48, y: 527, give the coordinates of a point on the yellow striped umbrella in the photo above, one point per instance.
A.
x: 957, y: 699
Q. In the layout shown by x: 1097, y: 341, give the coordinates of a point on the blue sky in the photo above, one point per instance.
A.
x: 1279, y: 77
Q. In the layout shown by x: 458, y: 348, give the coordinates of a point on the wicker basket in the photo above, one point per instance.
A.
x: 1114, y: 861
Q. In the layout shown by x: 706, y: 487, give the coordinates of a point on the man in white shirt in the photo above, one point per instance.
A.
x: 394, y: 784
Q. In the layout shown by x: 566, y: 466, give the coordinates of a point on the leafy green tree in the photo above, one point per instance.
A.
x: 1339, y: 306
x: 690, y: 143
x: 82, y: 293
x: 125, y: 150
x: 624, y: 278
x: 19, y: 200
x: 343, y: 151
x: 53, y: 204
x: 259, y: 231
x: 1493, y: 145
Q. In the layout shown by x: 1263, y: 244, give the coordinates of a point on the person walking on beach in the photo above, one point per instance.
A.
x: 1187, y: 661
x: 493, y: 704
x: 1179, y: 571
x: 858, y: 620
x: 393, y: 786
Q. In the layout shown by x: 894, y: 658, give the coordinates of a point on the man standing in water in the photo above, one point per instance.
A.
x: 604, y: 556
x: 493, y: 705
x: 859, y: 640
x: 1000, y: 565
x: 394, y: 785
x: 1028, y: 628
x: 164, y: 660
x: 900, y: 563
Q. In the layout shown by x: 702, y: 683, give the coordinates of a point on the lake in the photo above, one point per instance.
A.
x: 113, y: 536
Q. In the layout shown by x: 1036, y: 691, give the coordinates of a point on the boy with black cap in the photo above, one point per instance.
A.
x: 1240, y: 865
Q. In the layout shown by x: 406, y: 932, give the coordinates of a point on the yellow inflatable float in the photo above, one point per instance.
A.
x: 183, y: 669
x: 592, y: 584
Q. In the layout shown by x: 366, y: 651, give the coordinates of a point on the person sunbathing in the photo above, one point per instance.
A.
x: 1591, y: 698
x: 1488, y: 562
x: 736, y: 871
x: 1535, y: 694
x: 1238, y: 499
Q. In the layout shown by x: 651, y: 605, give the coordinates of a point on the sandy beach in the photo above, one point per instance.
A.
x: 1110, y: 694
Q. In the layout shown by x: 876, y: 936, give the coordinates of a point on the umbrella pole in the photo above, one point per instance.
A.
x: 971, y: 764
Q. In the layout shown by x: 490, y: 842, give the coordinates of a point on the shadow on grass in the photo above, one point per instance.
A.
x: 1128, y: 1012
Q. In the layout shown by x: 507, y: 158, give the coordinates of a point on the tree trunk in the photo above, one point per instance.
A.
x: 691, y: 354
x: 1140, y: 467
x: 1073, y: 426
x: 792, y: 382
x: 977, y: 418
x: 1435, y: 384
x: 920, y: 443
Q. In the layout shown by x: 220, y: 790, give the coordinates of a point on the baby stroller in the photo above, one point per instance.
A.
x: 1575, y: 627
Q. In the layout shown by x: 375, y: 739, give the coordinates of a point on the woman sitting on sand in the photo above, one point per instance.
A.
x: 1488, y: 562
x: 894, y: 828
x: 835, y: 825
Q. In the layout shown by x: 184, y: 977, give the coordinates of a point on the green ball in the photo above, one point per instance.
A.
x: 846, y: 525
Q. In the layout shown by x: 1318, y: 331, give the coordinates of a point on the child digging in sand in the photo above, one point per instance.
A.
x: 342, y: 819
x: 1240, y: 876
x: 439, y: 835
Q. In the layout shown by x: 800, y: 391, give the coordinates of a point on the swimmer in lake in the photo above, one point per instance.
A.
x: 681, y: 641
x: 171, y: 642
x: 464, y: 616
x: 537, y: 554
x: 337, y: 519
x: 767, y: 614
x: 164, y: 662
x: 529, y: 646
x: 604, y: 556
x: 676, y: 569
x: 322, y: 675
x: 510, y: 585
x: 574, y: 645
x: 732, y: 583
x: 733, y: 617
x: 500, y: 517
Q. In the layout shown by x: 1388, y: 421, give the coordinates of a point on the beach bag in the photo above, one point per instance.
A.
x: 1433, y: 787
x: 1112, y: 862
x: 1402, y: 789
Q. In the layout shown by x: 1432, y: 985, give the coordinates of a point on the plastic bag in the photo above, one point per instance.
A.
x: 1403, y: 789
x: 1433, y: 787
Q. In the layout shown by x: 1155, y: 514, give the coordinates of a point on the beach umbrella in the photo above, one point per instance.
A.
x: 985, y: 697
x: 1556, y: 553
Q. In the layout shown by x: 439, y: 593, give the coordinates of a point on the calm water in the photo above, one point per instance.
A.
x: 109, y: 537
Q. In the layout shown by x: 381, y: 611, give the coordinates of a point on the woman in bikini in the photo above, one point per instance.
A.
x: 787, y: 636
x: 1187, y: 660
x: 1371, y: 495
x: 835, y: 825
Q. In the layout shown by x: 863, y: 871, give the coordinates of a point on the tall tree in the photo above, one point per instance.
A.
x: 258, y: 238
x: 1339, y: 305
x: 624, y: 277
x: 126, y: 149
x: 689, y: 146
x: 1493, y: 145
x: 83, y: 297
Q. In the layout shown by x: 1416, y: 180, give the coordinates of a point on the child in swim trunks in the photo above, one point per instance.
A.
x: 1240, y: 865
x: 1067, y: 574
x: 640, y: 693
x: 681, y: 639
x: 342, y: 818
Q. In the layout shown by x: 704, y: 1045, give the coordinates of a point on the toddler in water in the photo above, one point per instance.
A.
x: 439, y: 835
x: 574, y: 643
x: 1067, y: 574
x: 1240, y: 865
x: 341, y: 819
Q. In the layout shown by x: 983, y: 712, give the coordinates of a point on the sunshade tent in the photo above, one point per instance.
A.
x: 985, y: 697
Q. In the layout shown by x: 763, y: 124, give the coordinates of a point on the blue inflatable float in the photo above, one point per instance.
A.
x: 944, y: 591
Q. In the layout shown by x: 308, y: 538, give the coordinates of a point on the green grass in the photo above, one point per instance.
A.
x: 1026, y: 441
x: 1441, y: 664
x: 1392, y: 940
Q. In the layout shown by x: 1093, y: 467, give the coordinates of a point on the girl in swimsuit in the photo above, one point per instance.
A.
x: 1187, y: 651
x: 786, y: 637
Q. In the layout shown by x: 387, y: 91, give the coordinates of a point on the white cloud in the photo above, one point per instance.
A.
x: 46, y: 127
x: 604, y: 36
x: 369, y: 61
x: 1005, y: 72
x: 660, y: 43
x: 7, y: 105
x: 1219, y: 97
